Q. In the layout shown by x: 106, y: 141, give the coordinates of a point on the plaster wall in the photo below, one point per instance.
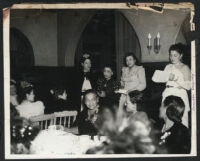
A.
x: 71, y: 24
x: 167, y: 24
x: 40, y: 27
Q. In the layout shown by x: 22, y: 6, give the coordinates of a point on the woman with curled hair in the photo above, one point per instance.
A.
x: 175, y: 136
x: 28, y: 107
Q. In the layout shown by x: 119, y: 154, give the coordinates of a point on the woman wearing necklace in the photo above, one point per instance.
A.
x: 179, y: 77
x: 175, y: 136
x: 88, y: 117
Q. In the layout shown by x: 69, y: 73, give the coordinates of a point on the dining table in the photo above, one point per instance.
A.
x: 61, y: 141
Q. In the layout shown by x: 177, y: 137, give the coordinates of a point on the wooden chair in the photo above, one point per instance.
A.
x: 44, y: 120
x: 65, y: 118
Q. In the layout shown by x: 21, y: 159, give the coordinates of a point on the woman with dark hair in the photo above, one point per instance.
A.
x: 175, y: 136
x: 178, y: 81
x: 28, y: 107
x: 134, y: 103
x: 86, y: 77
x: 89, y: 114
x: 13, y: 93
x: 59, y: 100
x: 133, y: 76
x: 107, y: 85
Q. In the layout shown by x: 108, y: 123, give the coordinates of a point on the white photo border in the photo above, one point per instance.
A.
x: 6, y: 60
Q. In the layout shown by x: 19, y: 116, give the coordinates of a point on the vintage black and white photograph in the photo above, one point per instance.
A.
x: 99, y: 81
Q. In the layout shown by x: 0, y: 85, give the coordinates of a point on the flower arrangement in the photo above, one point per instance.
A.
x: 125, y: 136
x: 22, y: 133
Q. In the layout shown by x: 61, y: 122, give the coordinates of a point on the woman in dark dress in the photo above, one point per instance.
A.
x: 86, y: 77
x: 107, y: 85
x: 175, y: 136
x: 59, y: 101
x: 88, y: 116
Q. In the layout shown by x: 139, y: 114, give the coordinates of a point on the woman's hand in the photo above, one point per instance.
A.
x: 102, y: 94
x: 172, y: 77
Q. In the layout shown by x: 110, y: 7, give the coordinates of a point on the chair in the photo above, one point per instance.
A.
x: 65, y: 118
x: 44, y: 120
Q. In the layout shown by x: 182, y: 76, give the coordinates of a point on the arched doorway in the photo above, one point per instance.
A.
x: 21, y: 51
x: 107, y: 37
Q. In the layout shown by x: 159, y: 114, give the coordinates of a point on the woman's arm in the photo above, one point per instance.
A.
x: 142, y: 80
x: 122, y: 78
x: 186, y: 84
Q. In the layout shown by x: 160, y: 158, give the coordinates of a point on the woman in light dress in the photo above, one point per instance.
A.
x: 133, y: 77
x: 179, y: 79
x: 28, y: 107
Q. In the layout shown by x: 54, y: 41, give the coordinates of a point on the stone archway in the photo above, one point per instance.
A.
x: 21, y: 51
x: 127, y: 34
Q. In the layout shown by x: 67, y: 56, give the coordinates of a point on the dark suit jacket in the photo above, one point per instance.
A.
x: 179, y: 141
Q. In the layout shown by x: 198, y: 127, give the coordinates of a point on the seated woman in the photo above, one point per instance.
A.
x: 27, y: 107
x: 89, y: 114
x: 107, y: 85
x: 13, y: 93
x: 175, y: 136
x: 59, y: 101
x: 133, y: 76
x: 134, y: 103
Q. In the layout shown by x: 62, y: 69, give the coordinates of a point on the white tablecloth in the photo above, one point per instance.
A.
x: 61, y: 142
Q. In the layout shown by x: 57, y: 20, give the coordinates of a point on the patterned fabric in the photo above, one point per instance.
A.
x: 134, y: 78
x: 109, y: 86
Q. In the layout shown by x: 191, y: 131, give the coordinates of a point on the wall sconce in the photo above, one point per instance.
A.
x: 156, y: 44
x: 149, y: 43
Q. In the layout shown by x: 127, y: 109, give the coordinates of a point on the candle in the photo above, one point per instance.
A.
x: 149, y: 39
x: 158, y: 38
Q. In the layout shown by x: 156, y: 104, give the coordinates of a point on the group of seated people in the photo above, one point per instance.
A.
x: 117, y: 108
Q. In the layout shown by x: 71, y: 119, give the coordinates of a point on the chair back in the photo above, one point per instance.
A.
x: 65, y: 118
x: 44, y: 120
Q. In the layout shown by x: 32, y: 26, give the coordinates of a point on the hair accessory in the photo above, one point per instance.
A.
x: 86, y: 56
x: 25, y: 84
